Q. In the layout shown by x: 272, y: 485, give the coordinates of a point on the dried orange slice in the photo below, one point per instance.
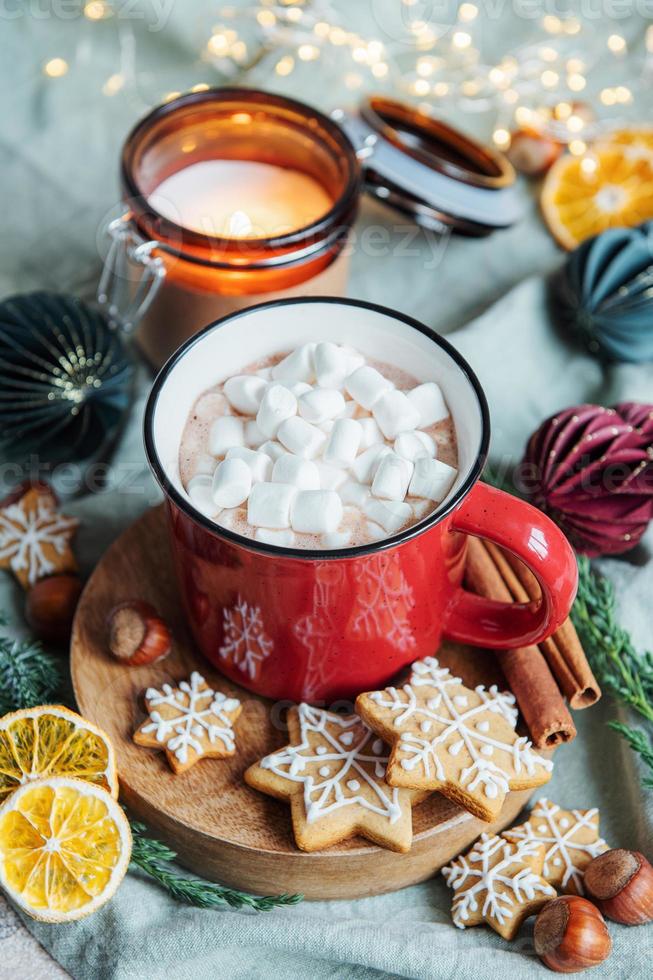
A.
x: 641, y: 136
x: 65, y: 847
x: 52, y: 741
x: 611, y: 186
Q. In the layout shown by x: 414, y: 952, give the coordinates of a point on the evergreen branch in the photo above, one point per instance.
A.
x: 627, y: 674
x: 640, y: 743
x: 155, y: 859
x: 28, y: 675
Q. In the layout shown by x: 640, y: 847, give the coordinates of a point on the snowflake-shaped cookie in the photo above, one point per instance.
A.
x: 333, y: 774
x: 570, y: 837
x: 35, y: 538
x: 498, y: 883
x: 189, y: 722
x: 245, y: 643
x: 450, y: 738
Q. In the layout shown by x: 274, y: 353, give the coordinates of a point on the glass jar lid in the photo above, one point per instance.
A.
x: 429, y: 170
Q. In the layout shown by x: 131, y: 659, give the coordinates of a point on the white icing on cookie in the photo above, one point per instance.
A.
x: 350, y: 747
x: 459, y: 727
x: 493, y: 875
x: 560, y: 835
x: 201, y: 712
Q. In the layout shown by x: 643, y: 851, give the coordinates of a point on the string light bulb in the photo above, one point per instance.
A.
x: 617, y: 43
x: 56, y: 68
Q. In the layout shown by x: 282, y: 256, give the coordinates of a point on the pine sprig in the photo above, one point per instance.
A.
x: 28, y: 675
x: 640, y: 743
x: 155, y: 859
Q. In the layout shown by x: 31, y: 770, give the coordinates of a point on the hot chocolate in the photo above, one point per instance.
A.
x: 319, y: 449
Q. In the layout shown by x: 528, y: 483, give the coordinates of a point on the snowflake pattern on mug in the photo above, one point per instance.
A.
x: 245, y: 644
x: 35, y: 538
x: 318, y: 630
x: 451, y: 738
x: 498, y: 883
x: 384, y: 602
x: 570, y: 837
x: 189, y: 722
x: 333, y: 774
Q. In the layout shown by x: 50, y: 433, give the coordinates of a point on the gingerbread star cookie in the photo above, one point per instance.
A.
x: 450, y: 738
x: 35, y: 538
x: 499, y: 883
x: 333, y: 774
x: 189, y: 722
x: 570, y: 837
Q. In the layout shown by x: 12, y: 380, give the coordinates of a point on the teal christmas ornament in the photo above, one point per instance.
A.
x: 604, y: 294
x: 65, y: 380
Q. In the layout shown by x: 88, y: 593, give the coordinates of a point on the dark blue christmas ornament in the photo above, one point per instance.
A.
x: 65, y: 380
x: 604, y: 294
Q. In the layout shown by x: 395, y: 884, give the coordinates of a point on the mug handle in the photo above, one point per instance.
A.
x: 526, y: 532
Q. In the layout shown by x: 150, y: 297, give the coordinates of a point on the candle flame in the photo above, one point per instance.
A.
x: 240, y: 225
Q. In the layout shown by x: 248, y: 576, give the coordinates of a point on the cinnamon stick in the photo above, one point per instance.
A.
x: 527, y: 672
x: 563, y: 650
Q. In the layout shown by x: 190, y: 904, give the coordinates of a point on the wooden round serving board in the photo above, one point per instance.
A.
x: 220, y: 828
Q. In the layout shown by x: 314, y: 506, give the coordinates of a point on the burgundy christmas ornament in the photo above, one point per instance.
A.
x: 591, y: 470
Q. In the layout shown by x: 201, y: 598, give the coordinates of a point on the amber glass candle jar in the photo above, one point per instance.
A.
x: 241, y: 196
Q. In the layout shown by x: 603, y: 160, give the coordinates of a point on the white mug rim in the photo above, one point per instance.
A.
x: 358, y: 551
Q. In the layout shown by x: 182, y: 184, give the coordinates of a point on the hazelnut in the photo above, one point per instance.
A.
x: 50, y: 607
x: 621, y: 884
x: 137, y: 634
x: 532, y: 153
x: 571, y: 935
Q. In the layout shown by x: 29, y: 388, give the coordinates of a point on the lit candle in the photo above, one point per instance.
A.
x: 240, y: 199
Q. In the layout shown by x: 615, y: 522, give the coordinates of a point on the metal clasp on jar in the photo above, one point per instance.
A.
x: 125, y: 306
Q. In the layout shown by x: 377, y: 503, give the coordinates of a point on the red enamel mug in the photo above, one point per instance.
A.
x: 318, y: 626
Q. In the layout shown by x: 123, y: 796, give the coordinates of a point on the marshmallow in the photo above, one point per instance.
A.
x: 395, y: 413
x: 429, y: 402
x: 331, y: 477
x: 300, y: 437
x: 421, y: 508
x: 277, y: 405
x: 269, y: 505
x: 343, y: 442
x: 327, y: 426
x: 319, y: 404
x: 201, y: 494
x: 272, y: 449
x: 432, y: 479
x: 205, y: 465
x: 300, y: 473
x: 392, y: 515
x: 225, y: 432
x: 392, y: 477
x: 374, y: 531
x: 283, y: 539
x: 364, y: 466
x: 265, y: 373
x: 253, y: 435
x: 260, y: 464
x: 316, y: 511
x: 366, y: 385
x: 244, y: 392
x: 298, y: 388
x: 370, y: 433
x: 354, y: 493
x: 350, y: 410
x: 336, y: 539
x: 412, y: 445
x: 331, y: 365
x: 232, y: 482
x: 296, y: 366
